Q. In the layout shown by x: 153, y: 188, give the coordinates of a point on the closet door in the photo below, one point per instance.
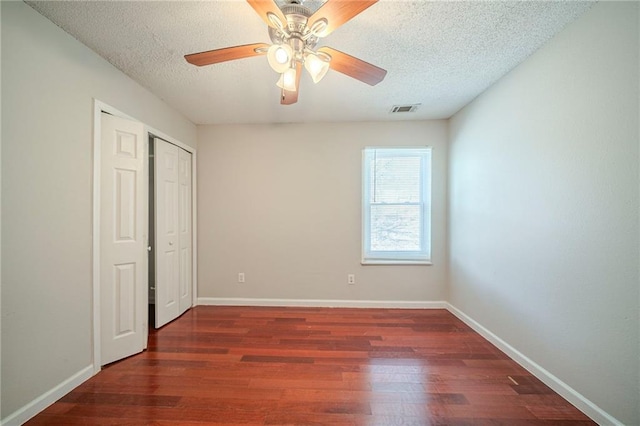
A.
x: 166, y: 189
x: 184, y: 214
x: 173, y: 212
x: 123, y: 242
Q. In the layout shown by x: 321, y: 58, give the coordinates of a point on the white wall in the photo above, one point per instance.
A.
x: 49, y: 81
x: 544, y: 208
x: 282, y: 204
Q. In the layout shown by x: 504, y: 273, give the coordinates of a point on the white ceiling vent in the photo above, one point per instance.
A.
x: 398, y: 109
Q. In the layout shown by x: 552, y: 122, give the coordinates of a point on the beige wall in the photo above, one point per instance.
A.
x: 282, y: 204
x: 49, y: 81
x: 544, y: 208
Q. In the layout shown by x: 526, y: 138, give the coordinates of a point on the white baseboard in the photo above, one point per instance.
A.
x: 46, y: 399
x: 567, y: 392
x: 321, y: 303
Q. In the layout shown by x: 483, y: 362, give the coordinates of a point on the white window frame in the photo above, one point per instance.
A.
x: 420, y: 257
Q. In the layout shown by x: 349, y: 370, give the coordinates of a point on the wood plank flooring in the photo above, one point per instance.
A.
x: 314, y: 366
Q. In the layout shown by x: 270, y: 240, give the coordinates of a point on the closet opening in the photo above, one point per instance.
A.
x: 144, y: 242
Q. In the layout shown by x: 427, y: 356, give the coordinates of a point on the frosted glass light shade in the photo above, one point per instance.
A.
x: 279, y: 57
x: 288, y: 80
x: 316, y: 67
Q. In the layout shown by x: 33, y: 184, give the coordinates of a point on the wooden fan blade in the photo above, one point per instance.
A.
x: 337, y: 12
x: 354, y: 67
x: 226, y: 54
x: 288, y: 97
x: 262, y: 7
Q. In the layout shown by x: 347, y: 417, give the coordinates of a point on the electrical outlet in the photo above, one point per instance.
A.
x: 351, y: 279
x: 241, y: 277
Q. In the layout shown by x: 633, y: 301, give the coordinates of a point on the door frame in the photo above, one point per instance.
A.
x: 98, y: 108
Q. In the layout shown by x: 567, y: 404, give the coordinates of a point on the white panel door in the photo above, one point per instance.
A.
x: 123, y: 254
x: 167, y: 233
x: 184, y: 218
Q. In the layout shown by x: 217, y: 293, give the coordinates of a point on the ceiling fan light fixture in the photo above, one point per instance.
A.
x: 295, y: 30
x: 316, y: 66
x: 279, y: 57
x: 287, y: 80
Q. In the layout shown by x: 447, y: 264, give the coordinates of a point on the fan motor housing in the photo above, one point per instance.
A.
x: 297, y: 16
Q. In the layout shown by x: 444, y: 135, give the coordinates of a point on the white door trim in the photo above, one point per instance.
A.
x: 98, y: 108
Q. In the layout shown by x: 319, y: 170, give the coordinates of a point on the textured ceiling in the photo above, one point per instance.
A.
x: 438, y: 54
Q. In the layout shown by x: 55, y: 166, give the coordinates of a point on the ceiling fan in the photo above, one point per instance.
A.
x: 295, y: 31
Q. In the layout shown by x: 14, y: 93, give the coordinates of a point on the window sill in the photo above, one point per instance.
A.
x: 396, y: 262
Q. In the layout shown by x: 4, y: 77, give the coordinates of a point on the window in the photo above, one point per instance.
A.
x: 396, y: 205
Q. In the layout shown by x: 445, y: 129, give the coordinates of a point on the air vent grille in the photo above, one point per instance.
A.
x: 399, y: 109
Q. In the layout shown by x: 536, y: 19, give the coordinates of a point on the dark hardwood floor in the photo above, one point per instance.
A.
x: 314, y: 366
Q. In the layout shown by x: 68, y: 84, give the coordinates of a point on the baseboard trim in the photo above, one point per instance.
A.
x: 25, y: 413
x: 567, y: 392
x: 321, y: 303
